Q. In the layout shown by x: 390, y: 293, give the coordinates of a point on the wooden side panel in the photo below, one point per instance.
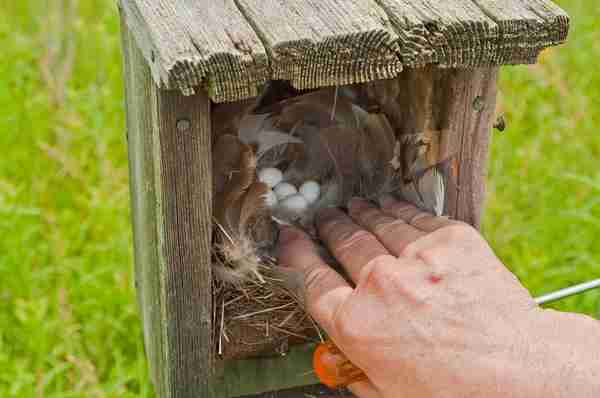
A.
x: 185, y: 228
x: 140, y: 97
x: 322, y: 43
x: 314, y: 391
x: 454, y: 110
x: 466, y: 125
x: 170, y: 163
x: 254, y: 376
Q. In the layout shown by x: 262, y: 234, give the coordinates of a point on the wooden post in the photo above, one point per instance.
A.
x: 170, y: 174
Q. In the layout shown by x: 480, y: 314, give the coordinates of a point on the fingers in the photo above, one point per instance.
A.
x: 323, y: 289
x: 353, y: 246
x: 394, y: 233
x: 414, y: 216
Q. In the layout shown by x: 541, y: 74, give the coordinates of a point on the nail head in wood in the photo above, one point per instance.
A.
x: 183, y: 125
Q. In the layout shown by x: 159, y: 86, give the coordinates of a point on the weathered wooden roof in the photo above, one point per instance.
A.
x: 232, y: 47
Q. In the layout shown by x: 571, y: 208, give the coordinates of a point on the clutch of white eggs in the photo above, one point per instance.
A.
x: 286, y: 196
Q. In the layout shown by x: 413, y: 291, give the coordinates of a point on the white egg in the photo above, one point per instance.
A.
x: 284, y: 189
x: 311, y: 190
x: 294, y: 203
x: 271, y: 199
x: 270, y: 176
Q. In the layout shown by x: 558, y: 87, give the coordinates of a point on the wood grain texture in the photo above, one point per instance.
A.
x: 189, y: 44
x: 466, y: 124
x: 454, y: 110
x: 458, y: 33
x: 231, y: 47
x: 170, y: 166
x: 314, y: 391
x: 315, y: 43
x: 139, y: 88
x: 260, y: 375
x: 526, y: 27
x: 185, y: 230
x: 449, y: 33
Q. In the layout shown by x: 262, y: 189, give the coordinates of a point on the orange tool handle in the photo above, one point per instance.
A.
x: 333, y: 368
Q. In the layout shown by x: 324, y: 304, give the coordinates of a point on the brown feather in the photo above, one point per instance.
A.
x: 226, y: 117
x: 253, y: 204
x: 228, y: 204
x: 227, y: 150
x: 320, y: 108
x: 381, y: 136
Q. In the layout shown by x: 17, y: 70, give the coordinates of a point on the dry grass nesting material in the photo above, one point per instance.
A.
x: 277, y: 160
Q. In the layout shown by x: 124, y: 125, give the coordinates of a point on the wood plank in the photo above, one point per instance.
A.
x: 189, y: 44
x: 451, y: 33
x: 255, y: 376
x: 313, y: 391
x: 170, y: 160
x: 139, y: 88
x: 322, y: 43
x: 289, y: 376
x: 466, y: 124
x: 460, y: 33
x: 218, y: 46
x: 185, y: 236
x: 526, y: 27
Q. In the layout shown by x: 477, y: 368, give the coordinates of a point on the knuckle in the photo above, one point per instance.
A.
x: 431, y: 255
x: 420, y: 216
x: 315, y: 277
x: 410, y: 249
x: 351, y: 237
x: 383, y: 225
x: 458, y: 231
x: 369, y: 214
x: 332, y: 225
x: 348, y: 328
x: 377, y: 274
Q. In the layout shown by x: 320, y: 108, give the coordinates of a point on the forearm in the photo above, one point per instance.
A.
x: 566, y: 355
x: 555, y: 355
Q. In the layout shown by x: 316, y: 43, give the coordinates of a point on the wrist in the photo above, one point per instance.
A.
x: 564, y: 356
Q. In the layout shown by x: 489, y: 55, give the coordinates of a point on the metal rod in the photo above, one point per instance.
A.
x: 569, y: 291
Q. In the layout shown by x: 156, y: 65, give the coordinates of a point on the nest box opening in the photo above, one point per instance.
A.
x: 278, y: 159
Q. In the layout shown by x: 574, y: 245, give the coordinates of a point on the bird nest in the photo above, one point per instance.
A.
x: 277, y: 160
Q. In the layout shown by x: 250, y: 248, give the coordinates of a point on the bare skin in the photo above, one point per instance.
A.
x: 433, y: 312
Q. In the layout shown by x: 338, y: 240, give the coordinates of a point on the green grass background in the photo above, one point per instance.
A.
x: 68, y: 319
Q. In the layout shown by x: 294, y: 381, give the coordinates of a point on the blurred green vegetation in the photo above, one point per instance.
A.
x: 68, y: 320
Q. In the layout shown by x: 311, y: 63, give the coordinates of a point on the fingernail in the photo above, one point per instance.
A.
x: 328, y: 213
x: 342, y: 208
x: 287, y: 235
x: 356, y: 205
x: 386, y: 200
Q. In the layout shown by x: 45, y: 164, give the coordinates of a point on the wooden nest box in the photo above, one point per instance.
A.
x: 429, y: 66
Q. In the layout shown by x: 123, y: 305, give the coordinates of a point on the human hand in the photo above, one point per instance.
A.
x: 433, y: 312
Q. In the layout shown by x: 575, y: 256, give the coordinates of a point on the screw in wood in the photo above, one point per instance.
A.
x: 183, y: 125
